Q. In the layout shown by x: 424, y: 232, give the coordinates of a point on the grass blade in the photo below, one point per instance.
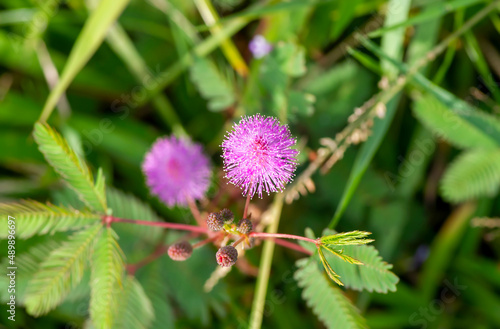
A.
x: 88, y: 41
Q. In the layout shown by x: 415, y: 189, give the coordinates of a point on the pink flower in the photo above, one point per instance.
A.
x: 258, y: 155
x: 177, y: 170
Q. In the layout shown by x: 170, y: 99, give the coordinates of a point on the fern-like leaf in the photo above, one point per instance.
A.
x: 128, y: 206
x: 213, y: 86
x: 27, y: 264
x: 326, y: 300
x: 450, y: 126
x: 105, y: 280
x: 33, y: 217
x: 347, y: 238
x: 373, y: 275
x: 60, y: 272
x: 471, y: 175
x: 157, y: 291
x: 72, y: 168
x: 135, y: 310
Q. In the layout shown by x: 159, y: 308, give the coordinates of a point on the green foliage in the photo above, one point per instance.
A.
x: 134, y: 90
x: 134, y: 309
x: 27, y: 263
x: 349, y: 262
x: 157, y: 291
x: 106, y: 280
x: 71, y: 167
x: 212, y: 85
x: 473, y: 174
x: 285, y: 62
x: 448, y: 125
x: 33, y: 217
x: 128, y: 206
x: 60, y: 272
x: 346, y: 238
x: 373, y: 275
x: 327, y: 301
x: 88, y: 41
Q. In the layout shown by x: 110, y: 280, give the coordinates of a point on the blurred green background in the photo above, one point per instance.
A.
x: 165, y: 68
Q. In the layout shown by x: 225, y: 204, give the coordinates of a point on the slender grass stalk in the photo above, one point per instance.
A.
x: 232, y: 54
x: 265, y: 267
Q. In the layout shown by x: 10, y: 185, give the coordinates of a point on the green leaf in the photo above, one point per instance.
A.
x: 373, y: 275
x: 136, y: 241
x: 347, y: 238
x: 135, y: 310
x: 128, y: 206
x: 341, y: 255
x: 291, y: 58
x: 71, y: 167
x: 33, y: 217
x: 105, y: 280
x: 487, y: 125
x: 157, y: 291
x: 27, y: 263
x: 60, y: 272
x: 392, y: 44
x: 448, y: 125
x: 472, y: 175
x: 432, y: 12
x: 213, y: 86
x: 363, y: 159
x: 301, y: 103
x: 327, y: 301
x: 331, y: 273
x: 86, y: 44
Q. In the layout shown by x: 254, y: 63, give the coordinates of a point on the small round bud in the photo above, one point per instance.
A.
x: 226, y: 256
x: 180, y: 251
x: 227, y: 215
x: 215, y: 221
x: 244, y: 226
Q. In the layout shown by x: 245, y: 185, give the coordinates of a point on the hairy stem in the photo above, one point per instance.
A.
x: 204, y: 242
x: 195, y: 211
x: 174, y: 226
x: 281, y: 235
x: 247, y: 203
x: 237, y: 242
x: 157, y: 253
x: 293, y: 246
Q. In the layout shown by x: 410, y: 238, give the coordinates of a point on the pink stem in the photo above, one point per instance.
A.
x: 293, y: 246
x: 204, y: 242
x: 195, y: 211
x: 247, y: 203
x: 175, y: 226
x: 159, y: 251
x: 280, y: 235
x: 237, y: 242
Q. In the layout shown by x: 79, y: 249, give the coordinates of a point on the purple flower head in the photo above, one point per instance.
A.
x: 259, y: 47
x: 258, y: 155
x: 176, y: 170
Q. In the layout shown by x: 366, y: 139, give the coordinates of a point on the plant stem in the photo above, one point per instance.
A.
x: 195, y: 211
x: 159, y: 251
x: 204, y: 242
x: 293, y: 246
x: 265, y: 268
x: 281, y: 235
x: 174, y: 226
x: 247, y: 203
x: 237, y: 242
